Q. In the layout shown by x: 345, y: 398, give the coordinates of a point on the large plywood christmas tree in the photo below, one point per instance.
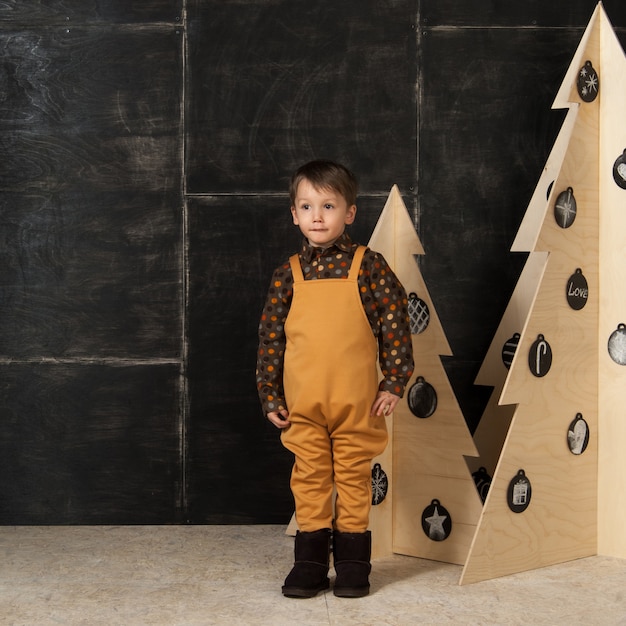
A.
x: 435, y: 505
x: 558, y: 491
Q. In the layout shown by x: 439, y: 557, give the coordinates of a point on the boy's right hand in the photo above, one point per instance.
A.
x: 280, y: 419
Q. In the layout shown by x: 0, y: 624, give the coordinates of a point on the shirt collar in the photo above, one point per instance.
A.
x: 309, y: 252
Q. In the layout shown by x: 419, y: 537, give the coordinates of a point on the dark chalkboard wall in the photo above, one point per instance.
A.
x: 146, y: 148
x: 91, y: 264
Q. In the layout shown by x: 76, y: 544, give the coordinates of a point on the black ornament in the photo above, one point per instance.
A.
x: 436, y: 521
x: 422, y: 398
x: 617, y: 345
x: 577, y: 290
x: 578, y: 435
x: 419, y: 314
x: 482, y: 481
x: 588, y: 83
x: 380, y: 484
x: 619, y: 170
x: 540, y: 357
x: 565, y: 208
x: 519, y: 492
x: 508, y: 350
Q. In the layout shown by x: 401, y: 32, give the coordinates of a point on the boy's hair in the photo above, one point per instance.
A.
x: 325, y: 175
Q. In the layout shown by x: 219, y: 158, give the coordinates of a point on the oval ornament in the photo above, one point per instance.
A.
x: 577, y: 290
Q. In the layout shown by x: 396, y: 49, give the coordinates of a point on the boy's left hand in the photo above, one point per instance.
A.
x: 385, y: 403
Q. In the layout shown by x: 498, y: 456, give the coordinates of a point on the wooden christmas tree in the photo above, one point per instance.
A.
x: 435, y: 503
x: 558, y: 490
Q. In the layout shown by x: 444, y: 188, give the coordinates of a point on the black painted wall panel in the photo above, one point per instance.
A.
x: 487, y: 128
x: 530, y: 13
x: 88, y: 444
x: 92, y: 203
x: 70, y: 12
x: 90, y: 274
x: 91, y: 108
x: 274, y: 84
x: 91, y: 264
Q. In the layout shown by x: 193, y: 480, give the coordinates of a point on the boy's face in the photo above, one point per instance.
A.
x: 322, y: 214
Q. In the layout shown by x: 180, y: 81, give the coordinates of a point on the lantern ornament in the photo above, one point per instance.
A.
x: 519, y: 492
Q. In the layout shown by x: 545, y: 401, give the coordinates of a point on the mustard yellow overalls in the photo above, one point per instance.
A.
x: 331, y: 382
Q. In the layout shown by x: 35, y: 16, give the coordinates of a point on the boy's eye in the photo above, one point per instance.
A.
x: 329, y: 206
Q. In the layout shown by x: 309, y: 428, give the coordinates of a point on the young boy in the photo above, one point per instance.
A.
x: 332, y: 312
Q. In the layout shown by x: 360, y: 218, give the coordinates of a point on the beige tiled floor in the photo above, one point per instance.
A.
x: 196, y: 575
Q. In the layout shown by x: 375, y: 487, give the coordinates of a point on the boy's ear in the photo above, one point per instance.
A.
x: 351, y: 214
x: 294, y: 215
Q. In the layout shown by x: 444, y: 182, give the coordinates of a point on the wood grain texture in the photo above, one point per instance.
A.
x: 93, y: 275
x: 91, y: 108
x: 69, y: 12
x: 92, y: 201
x: 612, y: 377
x: 274, y: 84
x: 91, y: 264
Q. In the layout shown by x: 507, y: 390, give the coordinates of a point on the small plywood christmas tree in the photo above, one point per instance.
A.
x: 435, y: 503
x: 558, y: 489
x: 395, y: 238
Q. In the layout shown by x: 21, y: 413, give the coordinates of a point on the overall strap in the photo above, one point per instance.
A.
x: 356, y: 263
x: 296, y: 268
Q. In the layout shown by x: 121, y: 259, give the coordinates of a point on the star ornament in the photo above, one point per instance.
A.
x: 436, y: 521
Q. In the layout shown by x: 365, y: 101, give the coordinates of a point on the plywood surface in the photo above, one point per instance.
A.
x: 612, y: 377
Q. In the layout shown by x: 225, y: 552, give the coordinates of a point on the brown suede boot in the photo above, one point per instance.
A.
x: 309, y: 574
x: 352, y: 553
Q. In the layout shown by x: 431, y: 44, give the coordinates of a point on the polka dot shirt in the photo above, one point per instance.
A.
x: 384, y: 300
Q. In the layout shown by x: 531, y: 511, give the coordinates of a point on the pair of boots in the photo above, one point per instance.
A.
x: 309, y: 575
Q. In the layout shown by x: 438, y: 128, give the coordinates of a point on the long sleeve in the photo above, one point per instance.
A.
x: 386, y: 305
x: 272, y: 341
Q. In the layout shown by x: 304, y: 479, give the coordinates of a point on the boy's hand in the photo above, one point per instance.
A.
x: 385, y: 403
x: 280, y: 419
